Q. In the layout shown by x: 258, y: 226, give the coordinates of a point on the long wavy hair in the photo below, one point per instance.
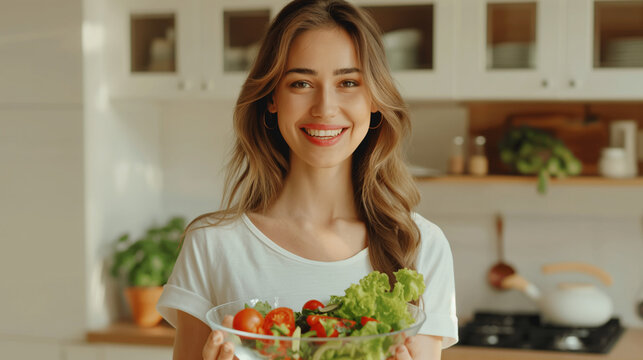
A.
x: 385, y: 192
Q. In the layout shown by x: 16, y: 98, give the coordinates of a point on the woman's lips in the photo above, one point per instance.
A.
x: 327, y: 136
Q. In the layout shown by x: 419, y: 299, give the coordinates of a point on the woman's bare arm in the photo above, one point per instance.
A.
x: 191, y: 336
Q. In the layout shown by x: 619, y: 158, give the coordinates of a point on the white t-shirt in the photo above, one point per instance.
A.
x: 236, y: 261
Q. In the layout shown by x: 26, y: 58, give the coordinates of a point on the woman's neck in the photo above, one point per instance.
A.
x: 318, y: 195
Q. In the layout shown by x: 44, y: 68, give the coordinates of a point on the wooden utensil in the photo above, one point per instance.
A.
x: 500, y: 270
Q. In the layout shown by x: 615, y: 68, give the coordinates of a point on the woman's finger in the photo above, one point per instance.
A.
x: 226, y: 351
x: 212, y: 345
x: 402, y: 353
x: 227, y: 321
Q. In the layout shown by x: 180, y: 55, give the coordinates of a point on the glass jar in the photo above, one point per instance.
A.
x: 478, y: 163
x: 456, y: 160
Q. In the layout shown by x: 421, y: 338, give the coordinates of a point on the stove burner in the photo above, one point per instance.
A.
x: 526, y: 331
x: 569, y: 342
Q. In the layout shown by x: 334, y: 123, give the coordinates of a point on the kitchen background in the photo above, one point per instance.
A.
x: 91, y: 147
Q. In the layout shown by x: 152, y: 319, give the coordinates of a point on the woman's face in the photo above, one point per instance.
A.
x: 322, y: 105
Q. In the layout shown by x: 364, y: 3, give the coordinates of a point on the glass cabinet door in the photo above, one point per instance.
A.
x: 618, y: 34
x: 153, y: 43
x: 508, y: 48
x: 242, y: 32
x: 605, y: 49
x: 418, y: 38
x: 511, y: 35
x: 231, y: 37
x: 155, y: 53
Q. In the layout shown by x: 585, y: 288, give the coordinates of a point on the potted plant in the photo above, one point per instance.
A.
x: 532, y: 151
x: 145, y: 265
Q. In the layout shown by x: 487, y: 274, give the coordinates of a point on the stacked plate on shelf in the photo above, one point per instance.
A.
x: 511, y: 55
x: 402, y: 48
x: 624, y: 52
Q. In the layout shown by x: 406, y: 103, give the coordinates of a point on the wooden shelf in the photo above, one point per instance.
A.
x: 516, y: 179
x: 129, y: 333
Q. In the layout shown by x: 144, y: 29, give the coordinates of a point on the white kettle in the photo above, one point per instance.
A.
x: 570, y: 304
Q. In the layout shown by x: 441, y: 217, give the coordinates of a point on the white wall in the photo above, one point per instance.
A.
x: 42, y: 299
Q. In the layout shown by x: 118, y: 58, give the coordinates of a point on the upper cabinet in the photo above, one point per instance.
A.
x: 508, y: 49
x: 604, y: 51
x: 550, y: 49
x: 418, y: 38
x: 230, y: 38
x: 436, y: 49
x: 154, y: 48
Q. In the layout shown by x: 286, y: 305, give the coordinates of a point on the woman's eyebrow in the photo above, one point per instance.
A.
x: 306, y: 71
x: 345, y: 71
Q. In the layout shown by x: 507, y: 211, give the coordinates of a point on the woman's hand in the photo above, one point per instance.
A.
x: 215, y: 348
x: 419, y: 347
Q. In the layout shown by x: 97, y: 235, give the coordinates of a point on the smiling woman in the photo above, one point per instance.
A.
x: 318, y: 194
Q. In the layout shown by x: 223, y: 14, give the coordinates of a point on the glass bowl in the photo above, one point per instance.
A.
x: 250, y: 346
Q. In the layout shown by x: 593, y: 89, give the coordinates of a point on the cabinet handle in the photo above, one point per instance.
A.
x: 544, y: 83
x: 572, y: 83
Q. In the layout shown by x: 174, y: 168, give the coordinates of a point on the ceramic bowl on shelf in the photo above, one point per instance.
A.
x: 402, y: 48
x: 250, y: 346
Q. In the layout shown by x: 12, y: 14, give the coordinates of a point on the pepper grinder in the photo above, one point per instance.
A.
x: 478, y: 163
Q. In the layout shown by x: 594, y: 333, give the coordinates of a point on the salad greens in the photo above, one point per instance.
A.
x: 372, y: 298
x: 367, y: 308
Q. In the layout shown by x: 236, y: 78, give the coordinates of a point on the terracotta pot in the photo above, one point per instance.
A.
x: 142, y: 301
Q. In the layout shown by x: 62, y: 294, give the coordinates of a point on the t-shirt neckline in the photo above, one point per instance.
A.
x: 267, y: 241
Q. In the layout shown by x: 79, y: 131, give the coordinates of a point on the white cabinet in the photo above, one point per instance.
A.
x: 216, y: 41
x: 153, y: 48
x: 231, y: 31
x: 550, y: 49
x: 437, y: 49
x: 418, y: 37
x: 508, y: 49
x: 604, y: 52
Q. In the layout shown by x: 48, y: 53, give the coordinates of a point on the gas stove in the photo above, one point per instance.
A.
x: 526, y: 331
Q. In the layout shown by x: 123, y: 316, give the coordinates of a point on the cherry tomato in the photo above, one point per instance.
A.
x: 366, y: 319
x: 249, y: 320
x: 313, y: 305
x: 278, y: 316
x: 318, y: 327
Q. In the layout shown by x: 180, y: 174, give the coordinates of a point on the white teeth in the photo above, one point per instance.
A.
x: 323, y: 133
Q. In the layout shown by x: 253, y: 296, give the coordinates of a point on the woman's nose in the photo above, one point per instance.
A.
x: 325, y: 105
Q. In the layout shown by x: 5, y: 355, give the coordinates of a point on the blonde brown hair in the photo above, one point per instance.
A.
x: 385, y: 193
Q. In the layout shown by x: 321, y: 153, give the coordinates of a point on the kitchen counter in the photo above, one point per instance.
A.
x: 628, y: 347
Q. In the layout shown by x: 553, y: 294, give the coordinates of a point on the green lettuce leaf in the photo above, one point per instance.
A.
x: 372, y: 297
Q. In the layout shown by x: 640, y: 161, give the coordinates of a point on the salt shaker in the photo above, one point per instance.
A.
x: 478, y: 163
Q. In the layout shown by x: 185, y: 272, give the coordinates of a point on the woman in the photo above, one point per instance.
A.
x: 318, y: 195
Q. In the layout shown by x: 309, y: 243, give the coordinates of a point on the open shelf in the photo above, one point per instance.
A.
x: 517, y: 179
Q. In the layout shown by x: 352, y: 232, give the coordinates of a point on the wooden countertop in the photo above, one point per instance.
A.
x: 628, y: 347
x: 128, y: 333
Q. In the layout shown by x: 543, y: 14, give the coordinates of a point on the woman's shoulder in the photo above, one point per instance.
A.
x: 431, y: 235
x: 211, y: 226
x: 426, y: 226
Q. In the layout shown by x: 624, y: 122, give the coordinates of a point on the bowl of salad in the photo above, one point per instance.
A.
x: 365, y: 323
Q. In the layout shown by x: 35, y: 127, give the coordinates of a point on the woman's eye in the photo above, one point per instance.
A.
x: 300, y: 85
x: 349, y: 83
